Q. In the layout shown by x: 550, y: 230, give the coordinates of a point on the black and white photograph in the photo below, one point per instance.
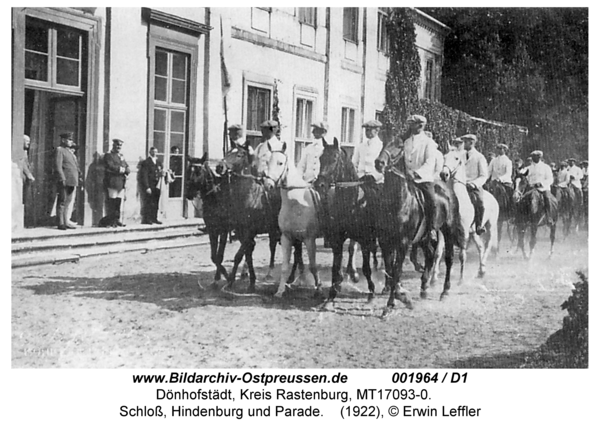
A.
x: 315, y: 189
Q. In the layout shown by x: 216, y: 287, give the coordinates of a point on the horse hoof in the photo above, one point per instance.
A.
x: 443, y: 296
x: 327, y: 306
x: 423, y: 295
x: 387, y: 311
x: 481, y: 274
x: 278, y: 295
x: 370, y: 297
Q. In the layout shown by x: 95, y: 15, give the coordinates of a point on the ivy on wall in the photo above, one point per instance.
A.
x: 445, y: 123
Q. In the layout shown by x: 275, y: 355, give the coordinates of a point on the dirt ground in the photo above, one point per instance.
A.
x: 148, y: 311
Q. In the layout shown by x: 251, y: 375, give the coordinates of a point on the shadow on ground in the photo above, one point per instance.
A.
x: 501, y: 360
x: 181, y: 291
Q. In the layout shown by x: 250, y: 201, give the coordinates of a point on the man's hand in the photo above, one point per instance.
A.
x: 416, y: 175
x: 471, y: 185
x: 121, y: 170
x: 148, y: 191
x: 537, y: 185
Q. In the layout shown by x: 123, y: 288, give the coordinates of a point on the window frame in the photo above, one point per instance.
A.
x: 261, y: 85
x: 177, y: 43
x: 354, y: 37
x: 383, y: 39
x: 52, y: 66
x: 352, y: 131
x: 303, y: 22
x: 307, y: 96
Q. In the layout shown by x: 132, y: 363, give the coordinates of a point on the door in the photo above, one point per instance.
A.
x: 47, y: 115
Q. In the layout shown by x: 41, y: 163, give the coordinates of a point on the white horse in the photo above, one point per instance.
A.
x: 454, y: 173
x: 298, y: 217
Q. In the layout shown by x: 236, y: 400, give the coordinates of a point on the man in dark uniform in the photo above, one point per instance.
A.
x: 116, y: 171
x: 151, y: 172
x: 67, y: 171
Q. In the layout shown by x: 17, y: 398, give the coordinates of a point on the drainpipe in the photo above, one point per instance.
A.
x: 327, y: 62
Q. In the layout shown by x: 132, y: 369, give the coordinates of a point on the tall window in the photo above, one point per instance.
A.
x: 383, y: 42
x: 53, y: 56
x: 261, y: 19
x: 429, y: 79
x: 258, y: 109
x: 351, y: 24
x: 171, y: 77
x: 348, y: 125
x: 304, y: 119
x: 308, y: 16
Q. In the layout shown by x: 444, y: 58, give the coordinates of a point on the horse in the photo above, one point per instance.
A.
x: 253, y: 211
x: 403, y: 220
x: 213, y: 191
x: 298, y: 218
x: 330, y: 167
x: 503, y: 195
x: 530, y: 213
x: 351, y: 211
x: 454, y: 173
x: 567, y: 205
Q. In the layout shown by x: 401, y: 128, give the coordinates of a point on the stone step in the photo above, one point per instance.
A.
x: 49, y: 245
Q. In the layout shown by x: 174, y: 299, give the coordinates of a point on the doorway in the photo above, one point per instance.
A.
x: 47, y: 115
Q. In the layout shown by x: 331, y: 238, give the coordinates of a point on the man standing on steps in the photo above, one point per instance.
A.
x: 67, y: 171
x: 116, y: 171
x: 151, y: 172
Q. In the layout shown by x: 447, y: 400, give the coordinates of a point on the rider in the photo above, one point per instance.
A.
x: 562, y: 177
x: 476, y: 170
x: 310, y: 163
x: 238, y: 141
x: 419, y: 160
x: 540, y: 177
x: 439, y: 158
x: 367, y: 151
x: 500, y: 168
x: 269, y: 144
x: 575, y: 177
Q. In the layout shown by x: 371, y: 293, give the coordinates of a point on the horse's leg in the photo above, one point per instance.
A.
x: 351, y: 267
x: 311, y: 248
x: 387, y: 254
x: 500, y: 223
x: 533, y: 239
x: 286, y: 252
x: 214, y: 242
x: 480, y: 250
x: 337, y: 246
x: 375, y: 261
x: 397, y: 291
x: 239, y: 255
x: 366, y: 250
x: 449, y: 259
x: 249, y: 250
x: 439, y: 254
x: 221, y: 254
x: 273, y: 240
x: 414, y: 258
x: 521, y: 241
x: 297, y: 262
x: 429, y: 255
x: 552, y: 237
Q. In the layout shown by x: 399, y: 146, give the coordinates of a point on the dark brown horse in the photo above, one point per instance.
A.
x: 214, y: 193
x: 253, y: 210
x: 349, y: 212
x: 403, y: 221
x: 530, y: 213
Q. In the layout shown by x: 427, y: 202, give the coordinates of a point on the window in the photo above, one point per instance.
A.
x: 258, y: 109
x: 261, y: 19
x: 303, y: 131
x: 53, y: 56
x: 347, y: 125
x: 308, y: 16
x: 171, y: 78
x: 429, y: 80
x: 351, y: 24
x: 383, y: 42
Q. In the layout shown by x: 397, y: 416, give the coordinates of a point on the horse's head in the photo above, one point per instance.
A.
x: 237, y: 160
x: 389, y: 157
x: 454, y: 166
x: 277, y: 170
x: 200, y: 178
x: 520, y: 186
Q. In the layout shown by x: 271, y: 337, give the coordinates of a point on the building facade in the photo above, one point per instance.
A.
x: 174, y: 78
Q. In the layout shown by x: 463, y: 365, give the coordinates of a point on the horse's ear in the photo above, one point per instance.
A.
x: 336, y: 144
x: 283, y: 148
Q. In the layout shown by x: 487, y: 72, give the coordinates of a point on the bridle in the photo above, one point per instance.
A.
x: 391, y: 163
x: 452, y: 172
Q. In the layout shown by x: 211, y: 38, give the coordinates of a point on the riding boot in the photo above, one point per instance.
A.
x: 117, y: 212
